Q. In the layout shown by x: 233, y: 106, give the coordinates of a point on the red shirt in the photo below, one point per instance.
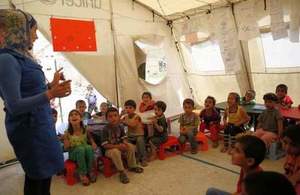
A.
x: 144, y: 108
x: 287, y: 100
x: 242, y: 176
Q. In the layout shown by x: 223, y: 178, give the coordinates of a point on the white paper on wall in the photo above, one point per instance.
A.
x: 294, y: 20
x: 246, y: 20
x: 226, y: 35
x: 278, y: 26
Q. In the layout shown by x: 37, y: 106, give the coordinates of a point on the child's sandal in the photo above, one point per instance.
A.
x: 84, y: 180
x: 124, y: 178
x: 136, y: 170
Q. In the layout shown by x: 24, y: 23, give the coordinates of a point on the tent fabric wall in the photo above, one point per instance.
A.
x: 204, y: 84
x: 266, y: 80
x: 174, y: 88
x: 253, y: 74
x: 99, y: 63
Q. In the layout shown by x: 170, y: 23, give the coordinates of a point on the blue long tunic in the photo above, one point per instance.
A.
x: 29, y: 123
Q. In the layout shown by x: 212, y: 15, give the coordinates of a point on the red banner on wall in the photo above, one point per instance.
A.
x: 73, y: 35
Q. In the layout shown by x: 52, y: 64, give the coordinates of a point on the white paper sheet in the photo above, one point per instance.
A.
x: 278, y: 26
x: 246, y: 20
x: 226, y: 35
x: 294, y: 20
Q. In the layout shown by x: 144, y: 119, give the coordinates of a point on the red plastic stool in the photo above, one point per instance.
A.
x: 70, y: 168
x: 108, y: 170
x: 172, y: 141
x: 200, y: 137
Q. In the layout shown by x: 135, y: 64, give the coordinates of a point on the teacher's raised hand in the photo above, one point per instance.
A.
x: 59, y: 90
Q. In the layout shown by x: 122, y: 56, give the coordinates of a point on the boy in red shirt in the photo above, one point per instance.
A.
x: 284, y: 100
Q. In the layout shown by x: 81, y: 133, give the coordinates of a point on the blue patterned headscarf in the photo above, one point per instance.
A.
x: 17, y: 26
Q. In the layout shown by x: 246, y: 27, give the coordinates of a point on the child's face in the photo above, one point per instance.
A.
x: 113, y: 118
x: 238, y: 156
x: 146, y: 98
x: 54, y: 115
x: 231, y: 100
x: 280, y: 93
x: 188, y: 108
x: 248, y: 97
x: 129, y: 109
x: 269, y: 104
x: 158, y: 111
x: 81, y: 107
x: 290, y: 147
x: 103, y: 108
x: 209, y: 103
x: 74, y: 118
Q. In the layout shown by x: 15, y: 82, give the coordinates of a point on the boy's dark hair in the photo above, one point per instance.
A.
x: 147, y: 93
x: 283, y: 87
x: 211, y: 98
x: 253, y: 147
x: 237, y: 96
x: 293, y: 132
x: 70, y: 127
x: 253, y: 93
x: 189, y: 101
x: 268, y: 182
x: 111, y: 109
x: 270, y: 96
x: 130, y: 103
x: 53, y: 111
x: 161, y: 105
x: 80, y: 102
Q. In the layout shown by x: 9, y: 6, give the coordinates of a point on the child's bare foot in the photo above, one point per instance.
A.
x: 224, y: 149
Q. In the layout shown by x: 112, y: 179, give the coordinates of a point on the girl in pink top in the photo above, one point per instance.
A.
x: 147, y: 102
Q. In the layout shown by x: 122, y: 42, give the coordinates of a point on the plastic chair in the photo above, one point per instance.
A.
x: 200, y: 137
x: 172, y: 141
x: 70, y: 168
x: 108, y: 170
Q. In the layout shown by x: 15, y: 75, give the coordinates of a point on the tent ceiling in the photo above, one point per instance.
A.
x: 170, y: 7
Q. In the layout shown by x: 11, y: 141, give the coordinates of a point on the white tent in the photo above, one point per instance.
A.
x: 232, y: 25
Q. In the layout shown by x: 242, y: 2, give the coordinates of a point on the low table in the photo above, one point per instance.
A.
x: 251, y: 109
x: 291, y: 113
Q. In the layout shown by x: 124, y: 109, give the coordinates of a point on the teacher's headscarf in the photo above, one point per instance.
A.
x: 16, y: 26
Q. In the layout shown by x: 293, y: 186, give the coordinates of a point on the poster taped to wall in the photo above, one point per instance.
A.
x: 246, y: 20
x: 226, y: 35
x: 278, y: 27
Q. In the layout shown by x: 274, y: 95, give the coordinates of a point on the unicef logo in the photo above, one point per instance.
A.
x: 48, y: 2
